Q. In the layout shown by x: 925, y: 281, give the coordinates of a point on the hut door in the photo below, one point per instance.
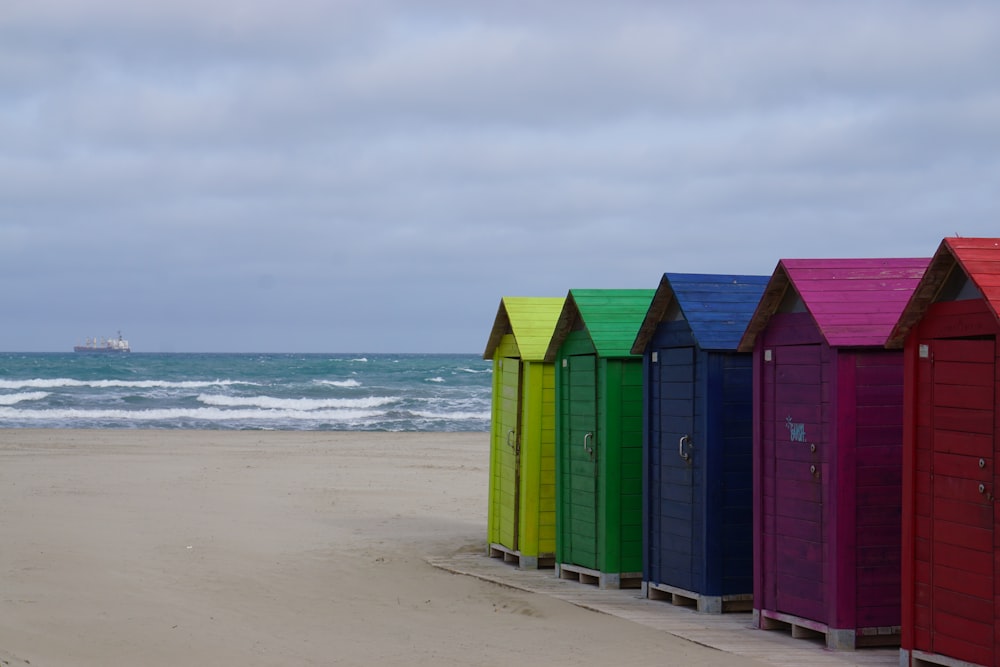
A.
x: 678, y: 454
x: 509, y: 448
x: 581, y: 474
x: 794, y: 521
x: 959, y: 537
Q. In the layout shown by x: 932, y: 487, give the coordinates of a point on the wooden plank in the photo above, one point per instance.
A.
x: 964, y: 443
x: 872, y: 453
x: 962, y: 638
x: 961, y: 557
x: 962, y: 420
x: 962, y: 373
x: 792, y: 489
x: 884, y: 616
x: 846, y: 270
x: 972, y: 351
x: 878, y: 556
x: 961, y: 581
x: 957, y: 319
x: 955, y: 532
x: 795, y: 528
x: 961, y: 467
x: 800, y: 596
x: 958, y: 499
x: 793, y: 471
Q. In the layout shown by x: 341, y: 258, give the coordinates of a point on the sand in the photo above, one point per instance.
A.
x: 141, y: 547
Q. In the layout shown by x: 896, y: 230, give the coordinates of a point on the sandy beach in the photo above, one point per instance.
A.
x: 150, y: 547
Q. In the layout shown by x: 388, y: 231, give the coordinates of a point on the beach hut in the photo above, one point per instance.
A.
x: 951, y: 540
x: 697, y: 441
x: 522, y: 499
x: 828, y: 413
x: 599, y: 437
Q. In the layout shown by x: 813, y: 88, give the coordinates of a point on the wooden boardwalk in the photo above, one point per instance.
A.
x: 730, y: 632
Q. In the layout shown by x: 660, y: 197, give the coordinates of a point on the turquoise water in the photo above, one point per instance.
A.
x: 389, y: 392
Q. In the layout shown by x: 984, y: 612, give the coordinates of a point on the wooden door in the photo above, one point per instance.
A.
x: 955, y: 522
x: 672, y: 458
x: 581, y: 449
x: 793, y: 485
x: 508, y: 449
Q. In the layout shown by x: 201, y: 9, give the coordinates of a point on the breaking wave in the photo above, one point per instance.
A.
x: 58, y: 383
x: 11, y: 399
x: 397, y: 392
x: 303, y: 404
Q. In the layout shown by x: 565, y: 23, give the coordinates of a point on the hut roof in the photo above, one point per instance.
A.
x: 979, y: 258
x: 530, y: 319
x: 716, y: 307
x: 854, y: 302
x: 610, y: 316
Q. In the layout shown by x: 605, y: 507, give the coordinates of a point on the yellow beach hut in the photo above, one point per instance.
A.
x: 522, y: 500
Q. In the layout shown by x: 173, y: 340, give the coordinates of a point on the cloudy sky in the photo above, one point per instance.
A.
x: 374, y: 175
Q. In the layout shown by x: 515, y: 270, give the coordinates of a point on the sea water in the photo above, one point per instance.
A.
x: 387, y: 392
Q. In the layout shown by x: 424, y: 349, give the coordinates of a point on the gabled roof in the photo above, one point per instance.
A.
x: 610, y: 316
x: 854, y: 302
x: 716, y: 307
x: 530, y: 319
x: 979, y: 258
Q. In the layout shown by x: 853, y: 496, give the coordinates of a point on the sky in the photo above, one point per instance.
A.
x: 374, y: 176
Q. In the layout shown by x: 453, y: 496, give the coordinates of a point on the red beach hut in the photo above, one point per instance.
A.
x: 827, y: 448
x: 951, y: 539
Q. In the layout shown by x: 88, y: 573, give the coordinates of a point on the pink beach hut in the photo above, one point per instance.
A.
x: 827, y: 448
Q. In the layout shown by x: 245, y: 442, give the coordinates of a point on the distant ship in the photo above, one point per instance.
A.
x: 104, y: 345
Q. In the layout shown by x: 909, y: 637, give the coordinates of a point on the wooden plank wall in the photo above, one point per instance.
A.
x: 790, y: 546
x: 620, y: 396
x: 676, y: 542
x: 547, y: 464
x: 878, y: 461
x: 537, y: 513
x: 500, y: 511
x: 951, y: 593
x: 576, y: 525
x: 700, y: 528
x: 730, y: 473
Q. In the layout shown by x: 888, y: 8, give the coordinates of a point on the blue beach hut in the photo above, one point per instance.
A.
x: 698, y: 441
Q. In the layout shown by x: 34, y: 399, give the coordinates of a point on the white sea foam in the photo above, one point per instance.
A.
x: 234, y: 392
x: 454, y: 416
x: 55, y: 383
x: 173, y: 414
x: 340, y: 383
x: 312, y: 404
x: 11, y: 399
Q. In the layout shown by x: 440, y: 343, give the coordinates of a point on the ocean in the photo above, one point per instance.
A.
x: 327, y: 392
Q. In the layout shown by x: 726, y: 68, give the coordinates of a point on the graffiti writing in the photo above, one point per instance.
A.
x: 797, y: 432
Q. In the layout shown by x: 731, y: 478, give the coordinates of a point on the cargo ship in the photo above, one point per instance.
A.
x: 104, y: 345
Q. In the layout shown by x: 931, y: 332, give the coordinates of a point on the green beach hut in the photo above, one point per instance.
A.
x: 522, y: 502
x: 599, y: 399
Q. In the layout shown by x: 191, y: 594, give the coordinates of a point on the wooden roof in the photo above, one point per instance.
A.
x: 716, y: 307
x: 979, y: 258
x: 854, y: 302
x: 610, y: 316
x: 530, y: 319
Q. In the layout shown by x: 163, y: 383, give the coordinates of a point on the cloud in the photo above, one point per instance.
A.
x: 217, y: 175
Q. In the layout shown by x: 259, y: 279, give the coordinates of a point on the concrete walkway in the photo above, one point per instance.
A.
x: 729, y: 632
